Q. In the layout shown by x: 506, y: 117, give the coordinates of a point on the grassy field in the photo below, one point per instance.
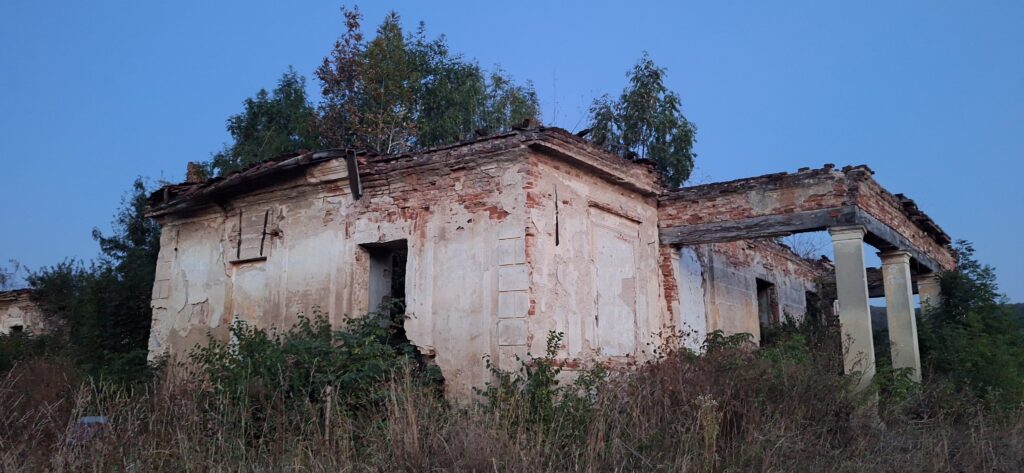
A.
x: 731, y: 409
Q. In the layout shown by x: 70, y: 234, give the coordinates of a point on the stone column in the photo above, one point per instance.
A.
x: 854, y: 309
x: 928, y: 290
x: 899, y: 309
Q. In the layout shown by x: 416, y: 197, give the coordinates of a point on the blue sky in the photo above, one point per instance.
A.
x: 930, y: 94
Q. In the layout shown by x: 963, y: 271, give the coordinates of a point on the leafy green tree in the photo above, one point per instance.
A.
x: 646, y: 121
x: 972, y: 337
x: 104, y: 306
x: 401, y: 92
x: 271, y: 124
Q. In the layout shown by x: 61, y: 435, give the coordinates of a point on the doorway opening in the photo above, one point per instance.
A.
x: 386, y: 278
x: 767, y: 305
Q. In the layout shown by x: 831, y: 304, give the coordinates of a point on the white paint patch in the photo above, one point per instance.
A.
x: 694, y: 325
x: 615, y: 274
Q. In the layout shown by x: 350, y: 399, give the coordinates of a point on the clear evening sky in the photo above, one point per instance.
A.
x: 929, y: 94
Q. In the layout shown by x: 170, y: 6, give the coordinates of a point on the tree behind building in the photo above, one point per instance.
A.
x: 270, y: 124
x: 402, y: 92
x: 646, y: 120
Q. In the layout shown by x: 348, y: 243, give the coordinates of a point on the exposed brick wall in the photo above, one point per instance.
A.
x: 804, y: 191
x: 766, y: 195
x: 884, y: 206
x: 667, y: 266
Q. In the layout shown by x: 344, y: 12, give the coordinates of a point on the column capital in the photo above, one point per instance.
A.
x: 928, y: 278
x: 894, y: 257
x: 855, y: 232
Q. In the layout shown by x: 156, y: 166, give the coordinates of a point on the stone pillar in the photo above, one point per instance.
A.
x: 928, y: 290
x: 854, y: 309
x: 899, y: 309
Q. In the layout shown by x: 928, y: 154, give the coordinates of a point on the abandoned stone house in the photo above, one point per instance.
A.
x: 18, y: 313
x: 495, y: 242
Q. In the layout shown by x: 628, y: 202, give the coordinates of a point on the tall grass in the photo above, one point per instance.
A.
x: 730, y: 409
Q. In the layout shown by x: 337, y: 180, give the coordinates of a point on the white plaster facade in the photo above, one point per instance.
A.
x: 508, y: 238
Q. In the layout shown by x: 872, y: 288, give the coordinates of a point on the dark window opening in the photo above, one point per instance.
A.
x: 767, y: 304
x: 813, y: 312
x: 17, y: 329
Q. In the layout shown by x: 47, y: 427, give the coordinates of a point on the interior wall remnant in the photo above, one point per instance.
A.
x: 691, y: 282
x: 754, y: 283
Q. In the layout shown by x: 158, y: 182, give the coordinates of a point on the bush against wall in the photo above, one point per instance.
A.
x: 310, y: 362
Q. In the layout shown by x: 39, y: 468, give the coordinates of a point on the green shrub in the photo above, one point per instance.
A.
x: 308, y: 361
x: 972, y: 338
x: 533, y: 396
x: 16, y: 347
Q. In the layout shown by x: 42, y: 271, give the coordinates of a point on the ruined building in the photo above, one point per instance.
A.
x: 497, y: 241
x: 18, y: 313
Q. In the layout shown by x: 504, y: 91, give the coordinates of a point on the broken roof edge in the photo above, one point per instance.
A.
x: 822, y: 263
x: 170, y: 198
x: 175, y: 197
x: 15, y: 294
x: 743, y: 183
x: 638, y: 175
x: 860, y: 172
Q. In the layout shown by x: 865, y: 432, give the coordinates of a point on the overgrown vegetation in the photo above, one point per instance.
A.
x: 315, y: 399
x: 101, y: 309
x: 308, y: 362
x: 973, y: 339
x: 310, y: 400
x: 399, y: 92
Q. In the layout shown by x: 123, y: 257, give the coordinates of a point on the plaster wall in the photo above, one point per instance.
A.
x: 721, y: 279
x: 459, y: 224
x: 592, y: 253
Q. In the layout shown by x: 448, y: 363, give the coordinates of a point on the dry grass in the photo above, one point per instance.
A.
x: 727, y: 411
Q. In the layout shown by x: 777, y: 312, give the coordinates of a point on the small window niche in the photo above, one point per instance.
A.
x: 17, y: 329
x: 252, y: 235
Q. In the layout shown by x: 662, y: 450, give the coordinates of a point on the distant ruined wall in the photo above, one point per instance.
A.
x: 18, y: 310
x: 717, y: 286
x: 460, y: 223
